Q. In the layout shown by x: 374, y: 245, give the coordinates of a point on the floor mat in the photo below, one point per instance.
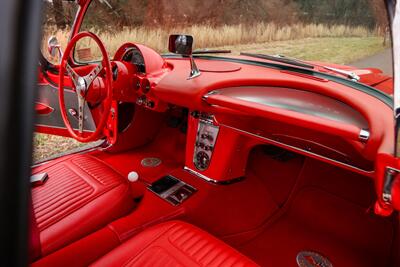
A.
x: 327, y: 224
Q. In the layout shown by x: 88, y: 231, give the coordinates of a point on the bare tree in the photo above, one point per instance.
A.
x: 381, y: 19
x: 59, y: 16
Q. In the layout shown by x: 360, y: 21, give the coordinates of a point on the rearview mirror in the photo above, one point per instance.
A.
x: 180, y: 44
x: 54, y: 47
x: 183, y: 45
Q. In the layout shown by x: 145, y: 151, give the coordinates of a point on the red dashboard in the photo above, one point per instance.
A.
x: 314, y: 116
x: 237, y: 104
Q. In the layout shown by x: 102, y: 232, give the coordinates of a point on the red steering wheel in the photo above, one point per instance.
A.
x: 81, y: 86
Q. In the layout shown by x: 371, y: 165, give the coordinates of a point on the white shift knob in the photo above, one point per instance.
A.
x: 133, y: 176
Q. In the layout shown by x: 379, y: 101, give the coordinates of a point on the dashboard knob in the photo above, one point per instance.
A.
x: 137, y: 85
x: 150, y: 104
x: 202, y: 160
x: 141, y: 100
x: 207, y: 136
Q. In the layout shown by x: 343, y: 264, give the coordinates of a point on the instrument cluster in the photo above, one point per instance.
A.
x: 134, y: 56
x: 141, y: 83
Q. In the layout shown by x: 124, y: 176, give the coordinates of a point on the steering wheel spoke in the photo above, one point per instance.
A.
x: 74, y: 76
x: 81, y: 113
x: 93, y: 74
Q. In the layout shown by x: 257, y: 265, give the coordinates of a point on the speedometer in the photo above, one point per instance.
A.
x: 134, y: 56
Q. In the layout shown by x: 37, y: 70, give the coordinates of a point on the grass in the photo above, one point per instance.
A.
x: 46, y: 145
x: 207, y: 36
x: 336, y: 44
x: 339, y: 50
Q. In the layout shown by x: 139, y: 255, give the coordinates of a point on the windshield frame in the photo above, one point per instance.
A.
x: 385, y: 98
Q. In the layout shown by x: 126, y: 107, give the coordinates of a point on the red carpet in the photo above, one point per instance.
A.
x: 329, y: 225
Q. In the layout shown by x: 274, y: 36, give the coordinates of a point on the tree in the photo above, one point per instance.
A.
x: 59, y: 16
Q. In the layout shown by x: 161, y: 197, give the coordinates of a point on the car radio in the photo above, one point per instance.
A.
x: 206, y: 138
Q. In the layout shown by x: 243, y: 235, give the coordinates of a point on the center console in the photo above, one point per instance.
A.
x: 172, y: 189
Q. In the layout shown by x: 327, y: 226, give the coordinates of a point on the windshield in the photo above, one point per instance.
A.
x: 343, y: 31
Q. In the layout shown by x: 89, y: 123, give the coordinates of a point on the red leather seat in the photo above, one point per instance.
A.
x: 175, y: 244
x: 81, y: 195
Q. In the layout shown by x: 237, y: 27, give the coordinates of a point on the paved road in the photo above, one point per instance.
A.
x: 382, y: 60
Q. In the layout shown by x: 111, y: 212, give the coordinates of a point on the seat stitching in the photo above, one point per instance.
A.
x: 41, y: 205
x: 148, y: 245
x: 73, y: 230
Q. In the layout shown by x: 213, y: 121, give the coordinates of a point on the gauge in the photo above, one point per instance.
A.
x: 134, y: 56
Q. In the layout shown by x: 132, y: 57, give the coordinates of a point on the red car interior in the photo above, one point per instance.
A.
x: 284, y: 203
x: 248, y: 164
x: 82, y: 195
x: 175, y: 244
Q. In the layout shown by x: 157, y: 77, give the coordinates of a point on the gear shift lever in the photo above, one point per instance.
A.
x: 133, y: 177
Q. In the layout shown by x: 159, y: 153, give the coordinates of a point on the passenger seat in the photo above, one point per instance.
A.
x: 174, y: 243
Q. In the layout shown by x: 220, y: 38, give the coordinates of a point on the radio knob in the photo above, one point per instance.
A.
x: 207, y: 137
x: 202, y: 160
x: 208, y: 148
x: 141, y: 100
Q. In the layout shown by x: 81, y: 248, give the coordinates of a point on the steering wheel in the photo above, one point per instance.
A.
x: 81, y: 86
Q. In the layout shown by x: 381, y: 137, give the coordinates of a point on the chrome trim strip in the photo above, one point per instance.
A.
x: 210, y: 180
x: 390, y: 175
x: 74, y: 22
x: 302, y: 151
x: 364, y: 135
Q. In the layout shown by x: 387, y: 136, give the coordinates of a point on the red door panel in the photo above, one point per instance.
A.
x: 47, y: 107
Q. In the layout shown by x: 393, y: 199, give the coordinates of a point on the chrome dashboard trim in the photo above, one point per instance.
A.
x: 303, y: 151
x: 297, y: 100
x: 210, y: 180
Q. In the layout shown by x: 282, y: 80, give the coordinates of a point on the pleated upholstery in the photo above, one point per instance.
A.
x: 81, y: 191
x: 174, y: 243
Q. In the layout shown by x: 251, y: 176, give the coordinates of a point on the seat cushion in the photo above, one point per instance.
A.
x: 174, y: 243
x: 81, y: 195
